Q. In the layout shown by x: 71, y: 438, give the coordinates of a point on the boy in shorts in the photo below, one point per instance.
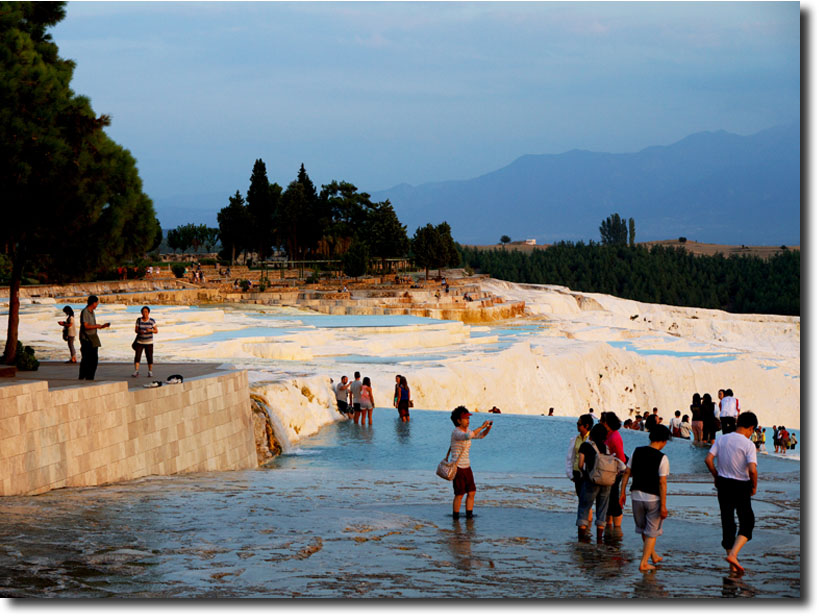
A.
x: 648, y: 468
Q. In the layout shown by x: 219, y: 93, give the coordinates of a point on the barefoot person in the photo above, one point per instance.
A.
x: 648, y: 468
x: 460, y: 443
x: 591, y: 494
x: 735, y: 476
x: 584, y: 425
x: 367, y: 401
x: 355, y: 396
x: 342, y: 393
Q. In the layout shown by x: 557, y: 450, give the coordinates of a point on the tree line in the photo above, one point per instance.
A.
x: 659, y: 275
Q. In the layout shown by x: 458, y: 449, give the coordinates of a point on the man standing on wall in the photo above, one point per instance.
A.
x: 89, y: 340
x: 735, y: 476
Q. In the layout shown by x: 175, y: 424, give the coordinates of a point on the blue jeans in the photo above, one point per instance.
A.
x: 593, y: 494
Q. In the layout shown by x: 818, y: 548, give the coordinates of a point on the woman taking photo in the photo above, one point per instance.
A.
x: 460, y: 444
x: 145, y: 328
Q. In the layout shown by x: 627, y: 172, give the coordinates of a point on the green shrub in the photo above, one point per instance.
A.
x: 178, y: 270
x: 312, y: 278
x: 244, y: 284
x: 683, y: 240
x: 26, y: 361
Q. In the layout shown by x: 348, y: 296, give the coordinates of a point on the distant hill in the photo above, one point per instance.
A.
x: 713, y: 187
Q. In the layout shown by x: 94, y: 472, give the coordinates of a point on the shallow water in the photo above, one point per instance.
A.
x: 357, y: 512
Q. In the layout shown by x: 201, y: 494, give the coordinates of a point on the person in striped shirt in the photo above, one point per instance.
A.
x: 460, y: 443
x: 145, y: 328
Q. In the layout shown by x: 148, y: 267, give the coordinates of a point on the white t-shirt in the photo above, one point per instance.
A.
x: 341, y: 391
x: 637, y: 495
x: 461, y: 442
x: 674, y: 423
x: 729, y: 407
x: 734, y: 453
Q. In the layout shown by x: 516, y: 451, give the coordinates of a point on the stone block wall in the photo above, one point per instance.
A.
x: 96, y: 434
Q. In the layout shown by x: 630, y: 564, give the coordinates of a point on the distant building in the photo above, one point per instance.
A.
x: 530, y: 242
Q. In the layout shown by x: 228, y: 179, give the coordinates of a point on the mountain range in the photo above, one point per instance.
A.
x: 714, y: 187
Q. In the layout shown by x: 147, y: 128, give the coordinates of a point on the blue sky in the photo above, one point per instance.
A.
x: 384, y: 93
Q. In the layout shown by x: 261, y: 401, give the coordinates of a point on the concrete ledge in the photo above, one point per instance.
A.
x: 100, y: 433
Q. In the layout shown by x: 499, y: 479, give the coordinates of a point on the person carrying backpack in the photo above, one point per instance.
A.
x: 599, y: 470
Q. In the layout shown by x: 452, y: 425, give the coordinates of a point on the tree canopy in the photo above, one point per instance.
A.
x: 614, y: 231
x: 434, y: 248
x: 72, y: 198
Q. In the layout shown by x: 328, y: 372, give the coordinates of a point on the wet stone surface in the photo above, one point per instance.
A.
x: 313, y: 527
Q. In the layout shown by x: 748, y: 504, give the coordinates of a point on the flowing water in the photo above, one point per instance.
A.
x: 356, y: 511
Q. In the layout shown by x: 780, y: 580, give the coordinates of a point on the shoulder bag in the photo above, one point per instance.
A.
x: 447, y: 469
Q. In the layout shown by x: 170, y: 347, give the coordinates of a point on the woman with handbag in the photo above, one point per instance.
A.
x: 144, y: 328
x: 404, y: 401
x: 460, y: 443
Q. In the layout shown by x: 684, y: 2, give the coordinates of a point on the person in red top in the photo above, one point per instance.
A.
x: 614, y: 443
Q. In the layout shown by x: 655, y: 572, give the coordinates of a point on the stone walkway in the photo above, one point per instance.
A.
x: 60, y: 375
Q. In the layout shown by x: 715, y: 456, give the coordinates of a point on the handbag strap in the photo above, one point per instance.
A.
x: 459, y: 455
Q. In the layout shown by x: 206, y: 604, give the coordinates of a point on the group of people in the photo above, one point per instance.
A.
x: 597, y: 465
x: 87, y: 330
x: 355, y: 399
x: 783, y: 440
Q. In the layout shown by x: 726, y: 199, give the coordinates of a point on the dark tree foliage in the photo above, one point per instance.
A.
x: 72, y: 200
x: 356, y: 260
x: 665, y: 275
x: 433, y: 248
x: 614, y: 231
x: 234, y: 227
x: 384, y: 234
x: 263, y: 209
x: 632, y: 233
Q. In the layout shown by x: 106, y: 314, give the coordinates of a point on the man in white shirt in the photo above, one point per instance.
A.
x: 342, y: 393
x: 728, y: 411
x: 735, y: 475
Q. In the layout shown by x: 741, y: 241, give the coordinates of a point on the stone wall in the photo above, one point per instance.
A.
x: 96, y: 434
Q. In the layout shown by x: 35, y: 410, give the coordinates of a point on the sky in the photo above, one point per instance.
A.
x: 379, y: 94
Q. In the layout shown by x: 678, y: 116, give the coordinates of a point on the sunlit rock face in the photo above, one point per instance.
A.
x: 568, y: 350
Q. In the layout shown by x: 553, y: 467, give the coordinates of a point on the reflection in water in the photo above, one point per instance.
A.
x: 649, y: 586
x: 604, y: 561
x: 402, y: 431
x: 460, y: 543
x: 733, y: 586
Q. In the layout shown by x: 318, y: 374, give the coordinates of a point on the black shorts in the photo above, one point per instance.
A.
x: 464, y: 482
x: 357, y: 407
x: 403, y: 408
x: 342, y: 406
